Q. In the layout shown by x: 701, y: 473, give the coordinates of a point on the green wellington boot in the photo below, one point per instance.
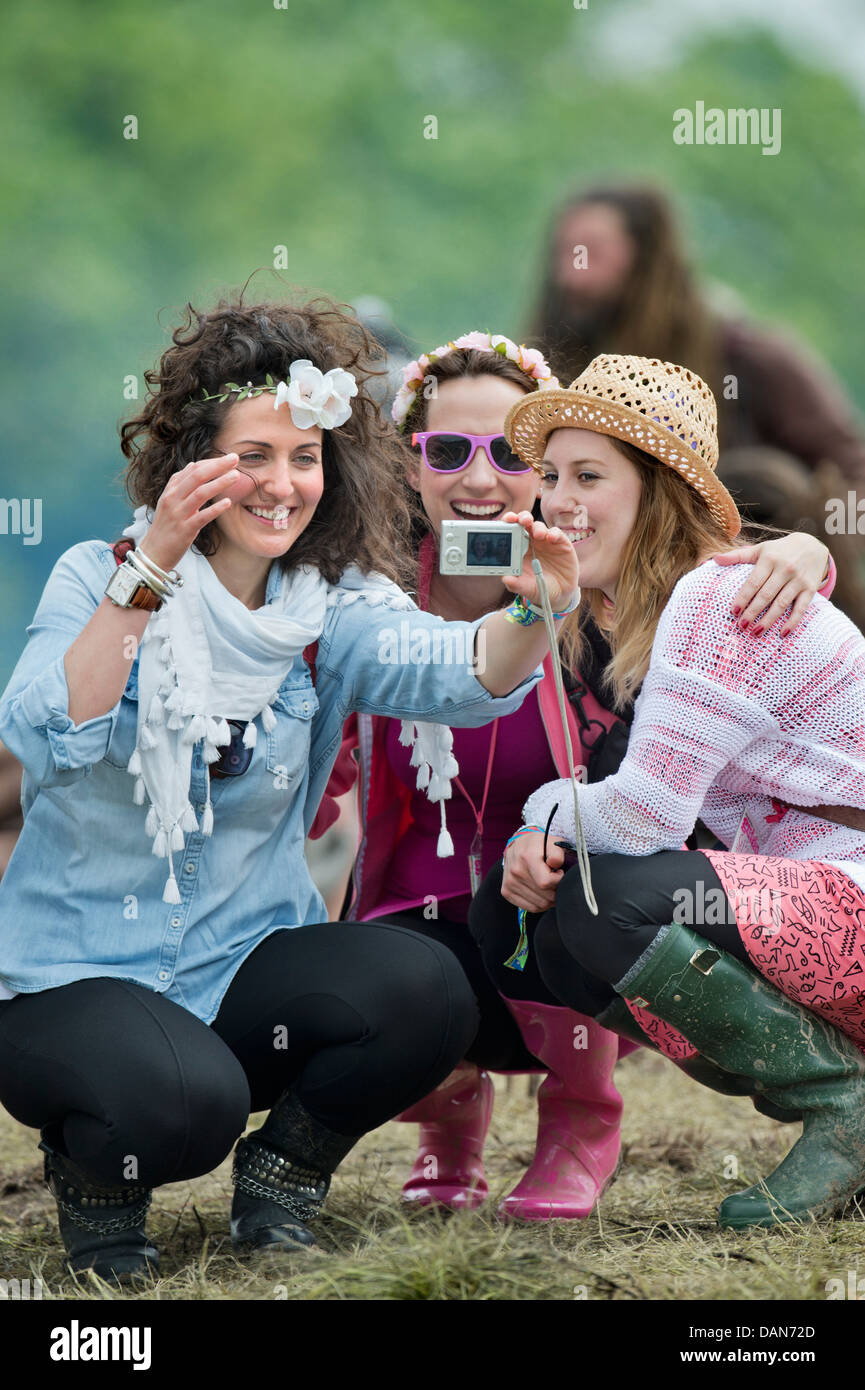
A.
x: 797, y: 1060
x: 618, y: 1018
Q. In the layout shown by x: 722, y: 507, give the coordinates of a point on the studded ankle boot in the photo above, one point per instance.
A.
x: 101, y: 1224
x: 281, y: 1177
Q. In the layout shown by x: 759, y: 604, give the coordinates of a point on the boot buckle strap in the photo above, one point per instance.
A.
x: 705, y: 959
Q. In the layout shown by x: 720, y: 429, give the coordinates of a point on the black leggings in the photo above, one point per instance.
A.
x: 363, y: 1019
x: 574, y: 957
x: 498, y: 1043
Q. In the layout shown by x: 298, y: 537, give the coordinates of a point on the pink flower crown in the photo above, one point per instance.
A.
x: 529, y: 360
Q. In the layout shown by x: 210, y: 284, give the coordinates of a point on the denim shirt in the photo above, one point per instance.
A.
x: 82, y: 894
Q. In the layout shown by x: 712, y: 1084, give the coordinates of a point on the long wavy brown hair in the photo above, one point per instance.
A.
x: 660, y: 312
x: 673, y: 533
x: 365, y: 515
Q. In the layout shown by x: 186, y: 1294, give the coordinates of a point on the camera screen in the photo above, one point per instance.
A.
x: 483, y: 549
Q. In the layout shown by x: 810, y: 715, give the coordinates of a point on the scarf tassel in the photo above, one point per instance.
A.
x: 134, y: 764
x: 188, y: 820
x: 439, y: 788
x: 171, y: 892
x: 250, y: 734
x: 423, y: 777
x: 268, y: 720
x: 207, y: 813
x: 176, y: 839
x: 175, y: 720
x: 445, y: 846
x: 138, y: 794
x: 146, y: 739
x: 151, y: 825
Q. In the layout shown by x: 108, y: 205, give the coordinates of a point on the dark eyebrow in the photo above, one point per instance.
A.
x: 262, y: 444
x: 576, y: 463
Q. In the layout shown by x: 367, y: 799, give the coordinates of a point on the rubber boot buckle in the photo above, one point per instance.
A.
x: 705, y: 960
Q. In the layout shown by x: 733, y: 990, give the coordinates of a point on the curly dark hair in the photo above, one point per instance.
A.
x: 365, y: 515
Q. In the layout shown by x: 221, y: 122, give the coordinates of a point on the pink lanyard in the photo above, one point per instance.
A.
x: 475, y: 870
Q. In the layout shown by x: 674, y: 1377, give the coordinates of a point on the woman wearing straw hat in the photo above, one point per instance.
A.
x: 751, y: 957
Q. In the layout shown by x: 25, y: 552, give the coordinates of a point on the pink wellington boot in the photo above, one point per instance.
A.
x: 453, y: 1119
x: 579, y: 1113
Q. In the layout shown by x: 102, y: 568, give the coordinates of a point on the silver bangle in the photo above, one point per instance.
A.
x: 146, y: 576
x: 167, y: 577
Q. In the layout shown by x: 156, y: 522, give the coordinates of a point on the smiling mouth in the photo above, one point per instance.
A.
x: 577, y: 534
x: 277, y: 517
x: 478, y: 511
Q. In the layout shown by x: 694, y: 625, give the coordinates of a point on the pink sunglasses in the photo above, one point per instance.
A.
x: 450, y: 453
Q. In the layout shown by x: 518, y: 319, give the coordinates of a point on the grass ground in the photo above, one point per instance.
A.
x: 654, y: 1237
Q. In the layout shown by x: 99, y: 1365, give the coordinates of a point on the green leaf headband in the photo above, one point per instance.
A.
x: 313, y: 397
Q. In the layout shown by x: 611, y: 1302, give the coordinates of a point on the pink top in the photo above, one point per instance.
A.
x: 522, y: 760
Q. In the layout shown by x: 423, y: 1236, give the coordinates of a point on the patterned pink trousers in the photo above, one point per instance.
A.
x: 802, y: 924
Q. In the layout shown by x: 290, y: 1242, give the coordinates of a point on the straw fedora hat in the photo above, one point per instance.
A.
x: 663, y: 409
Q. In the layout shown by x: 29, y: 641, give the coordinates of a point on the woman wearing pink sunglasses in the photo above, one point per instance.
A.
x: 453, y: 405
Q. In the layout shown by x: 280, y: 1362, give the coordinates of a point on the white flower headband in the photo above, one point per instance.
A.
x: 528, y: 360
x: 313, y: 397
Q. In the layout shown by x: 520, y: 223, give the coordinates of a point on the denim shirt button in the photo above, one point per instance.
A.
x: 163, y: 975
x: 175, y: 921
x: 189, y: 868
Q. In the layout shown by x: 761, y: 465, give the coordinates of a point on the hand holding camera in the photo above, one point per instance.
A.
x: 507, y: 548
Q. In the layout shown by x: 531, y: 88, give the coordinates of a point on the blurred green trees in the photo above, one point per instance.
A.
x: 260, y: 127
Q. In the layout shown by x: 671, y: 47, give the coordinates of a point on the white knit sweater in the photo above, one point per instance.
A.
x: 726, y: 721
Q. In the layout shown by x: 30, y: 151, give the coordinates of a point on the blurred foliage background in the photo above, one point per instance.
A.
x: 303, y: 126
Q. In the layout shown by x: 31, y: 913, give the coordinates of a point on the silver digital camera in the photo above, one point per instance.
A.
x: 482, y: 547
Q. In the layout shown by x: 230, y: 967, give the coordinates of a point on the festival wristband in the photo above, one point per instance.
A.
x: 525, y: 613
x: 524, y: 830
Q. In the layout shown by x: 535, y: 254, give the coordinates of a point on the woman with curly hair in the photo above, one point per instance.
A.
x: 180, y: 703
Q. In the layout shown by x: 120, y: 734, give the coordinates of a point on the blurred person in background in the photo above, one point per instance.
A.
x: 617, y: 280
